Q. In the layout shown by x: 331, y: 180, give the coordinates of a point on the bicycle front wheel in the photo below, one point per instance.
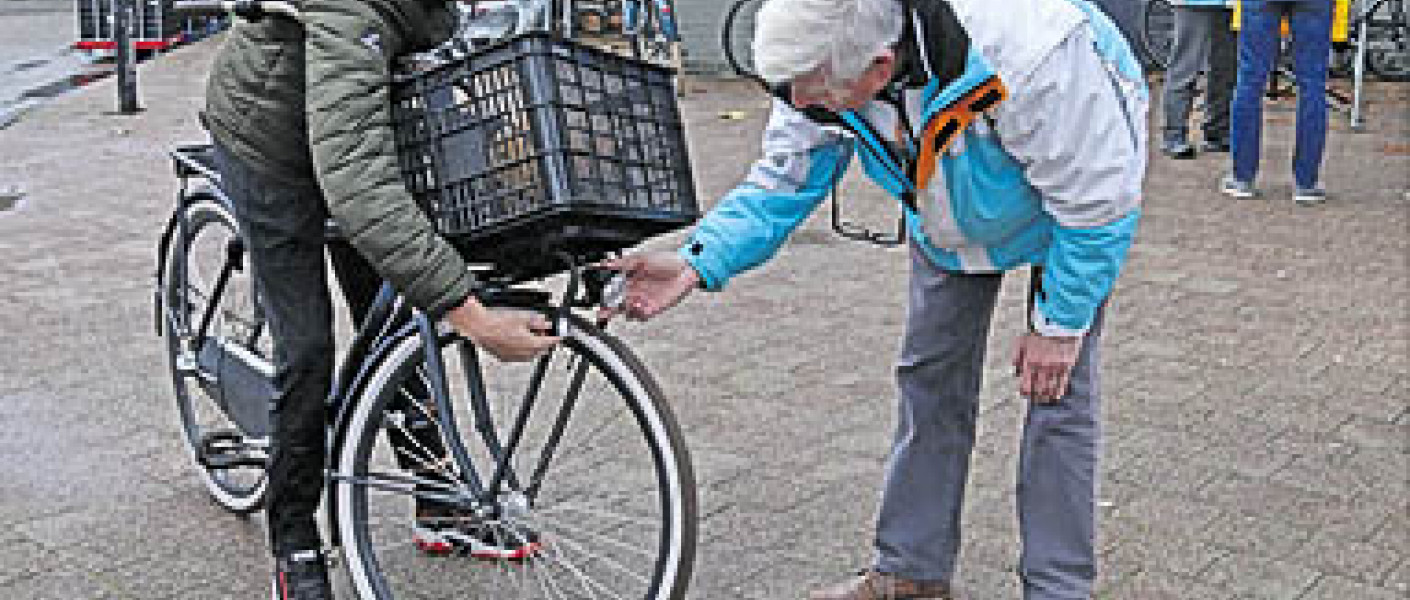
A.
x: 596, y: 496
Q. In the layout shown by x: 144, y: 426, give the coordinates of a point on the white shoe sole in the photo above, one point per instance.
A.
x: 1238, y: 193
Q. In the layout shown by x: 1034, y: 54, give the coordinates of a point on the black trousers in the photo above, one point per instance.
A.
x: 284, y: 224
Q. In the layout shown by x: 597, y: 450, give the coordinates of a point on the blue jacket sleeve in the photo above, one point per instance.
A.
x: 1078, y: 125
x: 749, y: 225
x: 1078, y: 273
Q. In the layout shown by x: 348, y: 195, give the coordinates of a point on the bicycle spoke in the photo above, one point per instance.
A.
x: 573, y: 458
x: 611, y: 563
x: 561, y: 561
x: 623, y: 518
x: 564, y: 526
x: 427, y: 459
x: 398, y: 485
x: 547, y: 584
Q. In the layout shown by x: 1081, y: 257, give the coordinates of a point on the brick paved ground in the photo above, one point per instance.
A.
x: 1256, y: 365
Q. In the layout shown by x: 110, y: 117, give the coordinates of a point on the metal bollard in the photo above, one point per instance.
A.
x: 126, y: 57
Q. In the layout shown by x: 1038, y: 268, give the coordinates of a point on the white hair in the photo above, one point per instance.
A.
x: 793, y: 37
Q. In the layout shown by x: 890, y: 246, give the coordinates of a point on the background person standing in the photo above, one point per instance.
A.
x: 1203, y: 37
x: 1310, y: 23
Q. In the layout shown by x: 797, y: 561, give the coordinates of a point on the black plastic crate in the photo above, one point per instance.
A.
x: 542, y: 144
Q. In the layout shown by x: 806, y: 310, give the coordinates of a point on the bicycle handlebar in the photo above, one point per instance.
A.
x: 249, y: 9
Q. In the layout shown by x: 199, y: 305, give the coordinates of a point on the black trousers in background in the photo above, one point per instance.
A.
x: 1202, y: 38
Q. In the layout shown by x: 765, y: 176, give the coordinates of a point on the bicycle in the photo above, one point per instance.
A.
x: 575, y: 460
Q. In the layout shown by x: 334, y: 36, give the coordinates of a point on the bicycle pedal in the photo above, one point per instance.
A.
x: 229, y: 449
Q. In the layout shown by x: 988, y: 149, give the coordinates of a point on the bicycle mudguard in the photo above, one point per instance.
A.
x: 163, y: 246
x: 183, y: 200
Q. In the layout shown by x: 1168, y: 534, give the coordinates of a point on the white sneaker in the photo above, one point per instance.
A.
x: 1309, y: 196
x: 1238, y: 189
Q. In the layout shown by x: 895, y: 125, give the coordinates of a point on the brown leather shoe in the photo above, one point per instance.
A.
x: 871, y: 585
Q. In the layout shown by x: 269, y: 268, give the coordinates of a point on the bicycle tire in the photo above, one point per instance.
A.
x: 581, y: 533
x: 1158, y: 33
x: 237, y: 489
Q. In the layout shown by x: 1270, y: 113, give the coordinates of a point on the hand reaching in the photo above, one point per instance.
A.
x: 655, y: 282
x: 509, y: 335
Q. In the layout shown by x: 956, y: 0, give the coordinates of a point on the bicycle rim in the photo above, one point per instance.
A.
x: 236, y: 325
x: 614, y: 516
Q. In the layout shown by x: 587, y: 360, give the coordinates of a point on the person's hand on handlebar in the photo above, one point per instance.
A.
x: 656, y: 281
x: 509, y: 335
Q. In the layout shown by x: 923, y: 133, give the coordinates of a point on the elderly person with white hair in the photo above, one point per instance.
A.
x: 1013, y: 134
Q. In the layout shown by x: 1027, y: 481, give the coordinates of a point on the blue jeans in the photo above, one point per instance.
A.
x: 1310, y: 22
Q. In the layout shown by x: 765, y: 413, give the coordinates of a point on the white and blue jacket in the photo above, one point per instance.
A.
x: 1053, y: 178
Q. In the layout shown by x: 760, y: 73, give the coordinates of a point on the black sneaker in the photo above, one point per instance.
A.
x: 1178, y: 149
x: 1215, y: 145
x: 301, y: 575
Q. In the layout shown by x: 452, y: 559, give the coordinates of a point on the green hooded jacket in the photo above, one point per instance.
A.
x: 312, y: 103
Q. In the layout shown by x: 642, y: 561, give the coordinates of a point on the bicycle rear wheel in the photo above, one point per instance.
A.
x: 233, y: 362
x: 601, y: 484
x: 1388, y: 42
x: 1158, y: 32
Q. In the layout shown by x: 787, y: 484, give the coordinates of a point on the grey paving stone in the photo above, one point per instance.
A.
x: 59, y: 586
x: 1160, y: 514
x: 1187, y: 557
x: 1237, y: 493
x: 1376, y: 434
x: 1253, y: 578
x: 1373, y: 472
x: 1162, y: 585
x: 1257, y: 534
x: 1399, y: 578
x: 1167, y: 473
x: 1332, y: 587
x: 20, y: 557
x: 1357, y: 561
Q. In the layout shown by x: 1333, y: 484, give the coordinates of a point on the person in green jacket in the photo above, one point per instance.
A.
x: 300, y: 117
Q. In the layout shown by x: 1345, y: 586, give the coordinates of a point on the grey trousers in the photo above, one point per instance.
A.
x: 1202, y: 37
x: 939, y: 374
